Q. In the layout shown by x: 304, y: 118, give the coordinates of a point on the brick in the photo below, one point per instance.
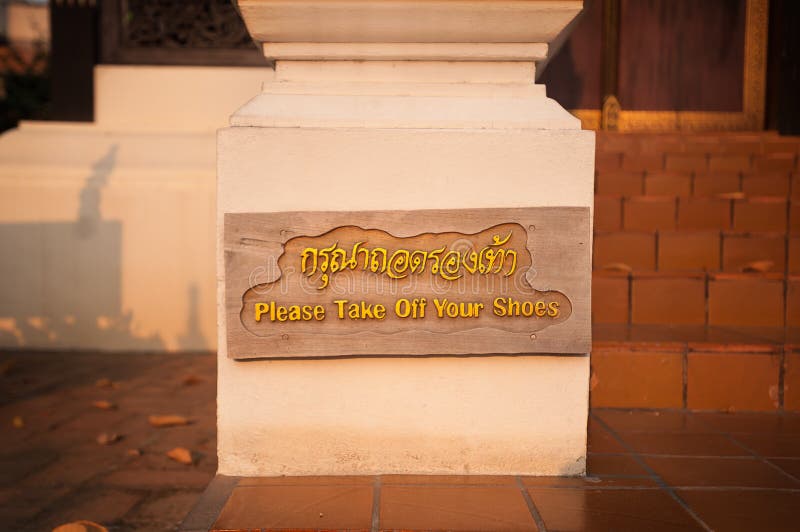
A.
x: 794, y: 255
x: 620, y: 183
x: 636, y: 379
x: 610, y: 298
x: 617, y: 142
x: 711, y: 184
x: 608, y: 161
x: 782, y: 145
x: 791, y: 382
x: 745, y: 300
x: 732, y: 381
x: 775, y: 162
x: 729, y: 163
x: 648, y: 213
x: 607, y: 213
x: 766, y: 184
x: 794, y: 218
x: 704, y: 214
x: 760, y: 214
x: 793, y: 302
x: 701, y: 145
x: 668, y: 184
x: 642, y: 163
x: 668, y: 300
x: 686, y: 162
x: 685, y: 251
x: 739, y: 250
x: 742, y: 145
x: 637, y: 250
x: 662, y: 143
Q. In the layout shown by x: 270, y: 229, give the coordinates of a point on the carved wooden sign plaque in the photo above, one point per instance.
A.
x: 455, y: 282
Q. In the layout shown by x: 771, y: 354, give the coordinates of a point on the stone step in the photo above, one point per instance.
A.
x: 776, y: 214
x: 696, y: 299
x: 613, y: 148
x: 696, y: 367
x: 697, y: 251
x: 705, y: 184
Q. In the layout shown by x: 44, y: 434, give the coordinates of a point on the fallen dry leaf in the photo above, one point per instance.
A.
x: 171, y: 420
x: 731, y: 195
x: 6, y: 366
x: 191, y: 380
x: 18, y: 422
x: 618, y: 266
x: 104, y: 383
x: 108, y: 439
x: 81, y: 526
x: 104, y: 405
x: 181, y: 455
x: 758, y: 266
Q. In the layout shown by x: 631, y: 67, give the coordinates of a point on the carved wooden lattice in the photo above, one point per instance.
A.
x: 195, y: 24
x: 196, y: 32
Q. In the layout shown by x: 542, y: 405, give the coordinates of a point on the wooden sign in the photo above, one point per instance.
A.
x: 454, y: 282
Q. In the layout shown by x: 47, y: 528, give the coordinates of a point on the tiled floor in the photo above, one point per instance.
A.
x: 653, y: 471
x: 53, y: 471
x: 656, y: 470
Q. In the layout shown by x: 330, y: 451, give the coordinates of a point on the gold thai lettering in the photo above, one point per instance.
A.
x: 450, y: 264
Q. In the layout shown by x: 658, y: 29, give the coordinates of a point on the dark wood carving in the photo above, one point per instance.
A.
x: 201, y: 32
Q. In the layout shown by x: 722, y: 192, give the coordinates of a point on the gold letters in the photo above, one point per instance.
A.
x: 398, y: 264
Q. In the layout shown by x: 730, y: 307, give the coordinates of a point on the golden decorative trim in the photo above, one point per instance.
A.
x: 750, y: 118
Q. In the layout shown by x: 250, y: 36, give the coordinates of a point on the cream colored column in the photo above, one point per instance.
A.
x: 387, y: 105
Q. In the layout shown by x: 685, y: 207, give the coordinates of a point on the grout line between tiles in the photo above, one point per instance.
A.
x: 660, y: 481
x: 685, y: 365
x: 782, y: 364
x: 747, y: 448
x: 537, y: 517
x: 376, y: 504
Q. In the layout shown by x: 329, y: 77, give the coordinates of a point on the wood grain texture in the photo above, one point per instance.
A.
x: 263, y: 265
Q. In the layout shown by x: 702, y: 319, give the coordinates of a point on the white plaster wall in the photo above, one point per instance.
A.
x: 491, y: 415
x: 108, y: 228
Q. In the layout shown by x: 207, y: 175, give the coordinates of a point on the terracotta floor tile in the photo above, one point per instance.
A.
x: 752, y: 423
x: 454, y: 508
x: 308, y: 481
x: 791, y: 382
x: 600, y: 441
x: 732, y: 511
x: 637, y: 250
x: 771, y: 446
x: 637, y: 379
x: 452, y: 480
x: 623, y: 421
x: 298, y: 507
x: 683, y: 443
x: 610, y: 299
x: 738, y: 472
x: 733, y: 381
x: 620, y: 510
x: 668, y: 300
x: 613, y: 464
x: 789, y: 465
x: 591, y: 482
x: 688, y: 250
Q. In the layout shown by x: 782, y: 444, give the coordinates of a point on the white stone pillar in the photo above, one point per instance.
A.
x: 403, y: 105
